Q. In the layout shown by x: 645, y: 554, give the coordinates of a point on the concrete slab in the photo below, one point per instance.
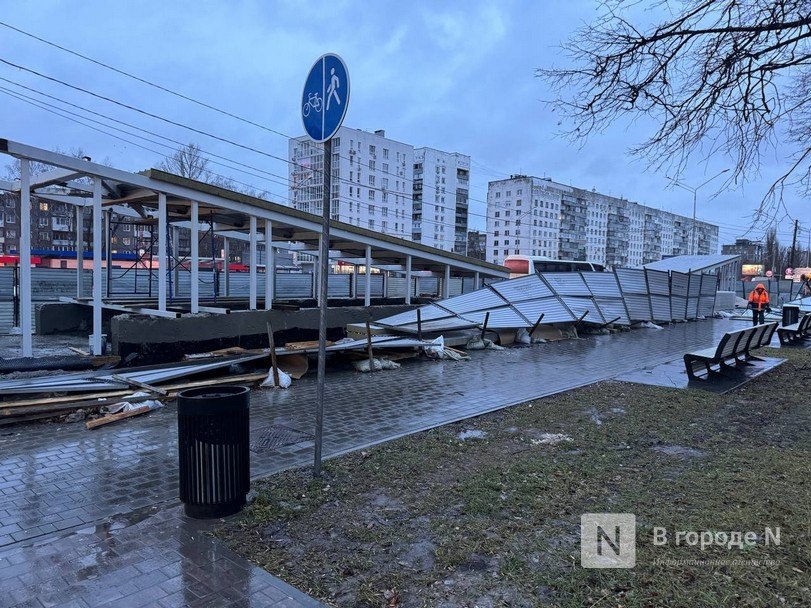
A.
x: 673, y: 375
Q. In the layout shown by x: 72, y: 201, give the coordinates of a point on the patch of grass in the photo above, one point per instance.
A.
x: 430, y: 519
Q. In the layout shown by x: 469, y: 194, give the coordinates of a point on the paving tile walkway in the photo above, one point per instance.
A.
x: 56, y: 479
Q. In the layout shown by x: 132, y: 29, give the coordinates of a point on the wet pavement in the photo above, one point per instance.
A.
x: 66, y: 491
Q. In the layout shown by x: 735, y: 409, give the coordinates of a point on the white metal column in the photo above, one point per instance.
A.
x: 354, y: 283
x: 270, y: 265
x: 26, y: 325
x: 195, y: 257
x: 252, y: 290
x: 226, y: 256
x: 367, y: 297
x: 97, y: 221
x: 79, y: 251
x: 163, y: 266
x: 446, y: 284
x: 408, y: 280
x: 476, y: 283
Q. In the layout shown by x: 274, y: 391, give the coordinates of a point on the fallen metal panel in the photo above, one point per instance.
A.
x: 103, y: 381
x: 709, y: 284
x: 427, y: 313
x: 500, y: 318
x: 552, y: 309
x: 678, y: 308
x: 658, y: 282
x: 638, y: 307
x: 660, y: 307
x: 480, y: 299
x: 706, y: 305
x: 525, y: 288
x: 612, y: 308
x: 602, y: 284
x: 566, y: 283
x: 440, y: 325
x: 578, y: 306
x: 679, y: 284
x: 694, y: 289
x: 632, y: 280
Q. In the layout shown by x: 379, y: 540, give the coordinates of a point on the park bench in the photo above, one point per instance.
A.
x: 791, y: 334
x: 734, y: 348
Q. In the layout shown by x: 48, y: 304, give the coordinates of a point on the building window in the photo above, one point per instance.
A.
x: 371, y: 195
x: 43, y: 206
x: 371, y: 149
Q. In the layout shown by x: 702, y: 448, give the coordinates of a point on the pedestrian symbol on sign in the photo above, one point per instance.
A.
x: 332, y: 91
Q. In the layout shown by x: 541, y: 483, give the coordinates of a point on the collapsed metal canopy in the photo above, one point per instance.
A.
x: 624, y: 296
x: 162, y: 200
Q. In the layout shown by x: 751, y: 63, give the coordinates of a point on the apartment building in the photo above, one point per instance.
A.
x: 441, y: 199
x: 372, y: 180
x: 533, y: 216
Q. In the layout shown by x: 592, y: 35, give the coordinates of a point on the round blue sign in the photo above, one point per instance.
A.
x: 325, y: 97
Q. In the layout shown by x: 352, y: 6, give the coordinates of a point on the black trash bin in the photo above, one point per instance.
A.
x: 791, y: 314
x: 213, y: 438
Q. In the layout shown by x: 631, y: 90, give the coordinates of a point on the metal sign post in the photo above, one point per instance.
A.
x: 323, y: 107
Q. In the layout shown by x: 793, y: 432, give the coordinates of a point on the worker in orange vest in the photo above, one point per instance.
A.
x: 759, y: 303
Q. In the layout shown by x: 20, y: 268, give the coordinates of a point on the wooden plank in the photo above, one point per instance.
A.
x: 86, y: 400
x: 274, y: 365
x: 303, y: 345
x: 94, y: 424
x: 147, y: 387
x: 79, y: 351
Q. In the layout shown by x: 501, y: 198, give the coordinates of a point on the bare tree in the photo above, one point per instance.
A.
x: 187, y: 161
x: 728, y: 76
x: 190, y: 161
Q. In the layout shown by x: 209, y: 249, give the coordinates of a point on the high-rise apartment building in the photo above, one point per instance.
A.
x: 372, y: 180
x: 533, y: 216
x: 441, y: 197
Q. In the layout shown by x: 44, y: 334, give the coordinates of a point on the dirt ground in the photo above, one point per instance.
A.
x: 487, y: 512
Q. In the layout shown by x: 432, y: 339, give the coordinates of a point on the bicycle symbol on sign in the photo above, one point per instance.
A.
x: 313, y: 102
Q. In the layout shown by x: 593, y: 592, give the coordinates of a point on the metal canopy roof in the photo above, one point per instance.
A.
x: 230, y: 211
x: 692, y: 263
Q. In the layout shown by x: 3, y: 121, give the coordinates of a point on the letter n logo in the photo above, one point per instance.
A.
x: 608, y: 540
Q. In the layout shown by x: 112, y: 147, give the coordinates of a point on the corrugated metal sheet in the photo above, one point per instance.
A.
x: 500, y: 318
x: 602, y: 284
x: 706, y: 305
x: 375, y: 285
x: 658, y: 282
x: 552, y: 308
x: 632, y: 280
x: 525, y: 288
x: 427, y: 286
x: 638, y: 307
x: 448, y: 324
x: 678, y: 308
x: 709, y: 285
x: 694, y: 288
x: 477, y: 300
x: 679, y: 284
x: 338, y: 285
x: 566, y: 283
x: 612, y: 308
x: 660, y: 307
x: 578, y: 306
x: 291, y: 286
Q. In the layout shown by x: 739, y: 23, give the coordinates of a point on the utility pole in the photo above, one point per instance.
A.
x: 793, y: 244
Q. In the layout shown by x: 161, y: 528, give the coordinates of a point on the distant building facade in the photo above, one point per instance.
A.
x: 441, y: 199
x: 372, y: 180
x: 538, y: 217
x: 751, y: 252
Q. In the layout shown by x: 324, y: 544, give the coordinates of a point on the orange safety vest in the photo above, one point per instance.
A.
x: 759, y: 296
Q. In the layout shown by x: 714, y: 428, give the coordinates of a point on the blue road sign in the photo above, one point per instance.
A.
x: 325, y: 97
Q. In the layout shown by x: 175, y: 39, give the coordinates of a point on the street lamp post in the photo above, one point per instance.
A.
x: 694, y: 191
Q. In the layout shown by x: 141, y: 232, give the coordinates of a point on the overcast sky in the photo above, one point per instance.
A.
x: 457, y: 76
